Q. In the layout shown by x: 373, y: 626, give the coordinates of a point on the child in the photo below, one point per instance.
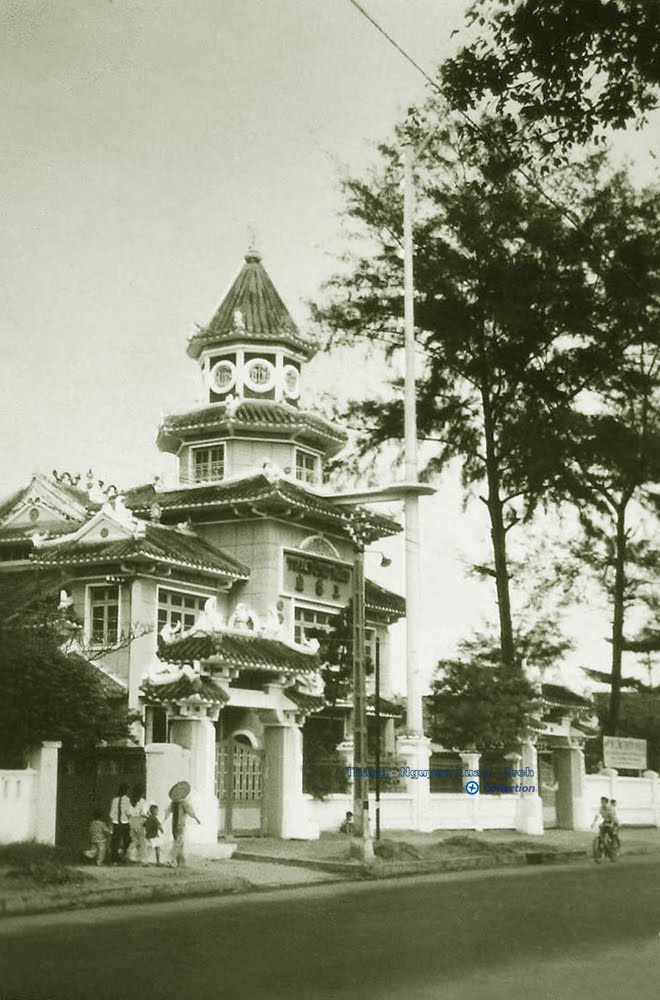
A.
x: 154, y: 831
x: 347, y: 823
x: 99, y: 832
x: 615, y: 822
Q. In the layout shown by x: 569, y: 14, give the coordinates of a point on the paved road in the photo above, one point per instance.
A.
x: 550, y: 934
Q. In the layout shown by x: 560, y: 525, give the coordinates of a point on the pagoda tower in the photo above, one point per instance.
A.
x: 251, y: 357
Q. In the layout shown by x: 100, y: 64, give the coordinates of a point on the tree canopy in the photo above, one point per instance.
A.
x: 566, y: 70
x: 476, y: 703
x: 46, y: 694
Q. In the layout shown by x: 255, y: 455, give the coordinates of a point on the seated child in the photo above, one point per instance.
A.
x: 100, y: 832
x: 153, y: 831
x: 347, y: 823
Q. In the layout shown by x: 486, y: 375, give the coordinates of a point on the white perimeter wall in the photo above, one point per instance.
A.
x: 17, y: 805
x: 448, y: 811
x: 637, y: 799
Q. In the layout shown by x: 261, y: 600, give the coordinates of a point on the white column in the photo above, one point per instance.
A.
x: 530, y: 807
x: 415, y: 753
x: 198, y: 737
x: 166, y: 763
x: 655, y: 794
x: 285, y: 812
x: 44, y: 762
x: 470, y: 762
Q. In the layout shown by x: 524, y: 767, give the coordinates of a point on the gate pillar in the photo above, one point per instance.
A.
x: 198, y: 736
x: 571, y: 804
x: 285, y: 811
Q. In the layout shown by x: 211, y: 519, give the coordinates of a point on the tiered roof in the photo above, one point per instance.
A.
x: 383, y: 601
x: 157, y: 544
x: 252, y: 310
x: 253, y: 416
x: 258, y: 494
x: 239, y: 651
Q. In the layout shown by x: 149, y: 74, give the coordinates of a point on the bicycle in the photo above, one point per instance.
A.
x: 606, y: 845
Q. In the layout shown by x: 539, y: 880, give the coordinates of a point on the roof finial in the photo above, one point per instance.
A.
x: 252, y: 254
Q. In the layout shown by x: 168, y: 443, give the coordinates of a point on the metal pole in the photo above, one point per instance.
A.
x: 362, y: 841
x: 414, y: 723
x: 377, y: 761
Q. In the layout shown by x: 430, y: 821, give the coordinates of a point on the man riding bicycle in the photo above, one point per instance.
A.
x: 608, y: 820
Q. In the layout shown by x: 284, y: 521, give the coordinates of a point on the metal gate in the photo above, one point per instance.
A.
x: 238, y: 786
x: 86, y: 782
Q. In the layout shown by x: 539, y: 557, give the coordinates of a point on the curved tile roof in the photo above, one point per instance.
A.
x: 184, y: 688
x: 251, y: 415
x: 251, y: 310
x: 377, y: 598
x: 239, y: 651
x: 158, y: 544
x: 276, y: 496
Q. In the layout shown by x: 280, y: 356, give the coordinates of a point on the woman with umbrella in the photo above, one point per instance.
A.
x: 180, y: 808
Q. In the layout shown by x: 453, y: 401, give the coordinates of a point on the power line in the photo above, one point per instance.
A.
x: 565, y: 212
x: 395, y: 44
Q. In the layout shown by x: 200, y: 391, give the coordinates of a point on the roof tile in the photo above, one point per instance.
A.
x: 263, y: 315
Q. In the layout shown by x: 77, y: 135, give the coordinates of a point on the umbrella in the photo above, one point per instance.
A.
x: 180, y: 791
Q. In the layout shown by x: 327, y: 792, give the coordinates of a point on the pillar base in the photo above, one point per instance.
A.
x: 529, y: 817
x: 415, y: 752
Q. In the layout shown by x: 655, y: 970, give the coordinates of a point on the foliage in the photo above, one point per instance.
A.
x: 610, y: 456
x: 323, y: 767
x: 568, y: 70
x: 47, y: 695
x: 476, y: 703
x: 639, y: 719
x: 336, y: 655
x: 502, y: 294
x: 40, y: 863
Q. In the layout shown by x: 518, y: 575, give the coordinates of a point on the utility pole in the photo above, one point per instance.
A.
x: 361, y: 845
x: 414, y: 722
x: 377, y: 755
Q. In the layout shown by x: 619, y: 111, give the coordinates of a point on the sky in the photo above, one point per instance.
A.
x: 145, y: 143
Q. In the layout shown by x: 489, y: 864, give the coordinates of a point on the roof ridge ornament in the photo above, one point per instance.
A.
x: 272, y: 472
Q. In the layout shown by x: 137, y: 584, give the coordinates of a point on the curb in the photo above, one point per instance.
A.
x: 115, y: 896
x: 353, y: 871
x: 391, y: 869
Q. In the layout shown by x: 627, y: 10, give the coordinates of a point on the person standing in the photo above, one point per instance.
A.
x: 99, y: 832
x: 154, y: 831
x: 120, y: 810
x: 136, y: 819
x: 180, y: 808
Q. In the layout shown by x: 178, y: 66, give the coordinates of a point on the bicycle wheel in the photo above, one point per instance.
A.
x: 612, y: 849
x: 598, y: 850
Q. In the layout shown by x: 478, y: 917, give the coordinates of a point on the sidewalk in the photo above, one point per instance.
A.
x: 107, y: 886
x: 265, y: 863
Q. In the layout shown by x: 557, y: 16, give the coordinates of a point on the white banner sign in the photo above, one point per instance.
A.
x: 621, y: 752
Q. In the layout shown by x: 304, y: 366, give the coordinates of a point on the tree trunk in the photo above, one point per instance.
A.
x: 618, y: 601
x: 498, y: 538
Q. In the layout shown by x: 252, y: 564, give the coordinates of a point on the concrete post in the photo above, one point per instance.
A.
x: 166, y: 763
x: 655, y: 794
x: 345, y: 752
x: 415, y: 752
x: 44, y: 761
x: 198, y: 737
x: 612, y: 774
x: 284, y: 808
x: 470, y: 762
x: 571, y: 806
x: 529, y: 818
